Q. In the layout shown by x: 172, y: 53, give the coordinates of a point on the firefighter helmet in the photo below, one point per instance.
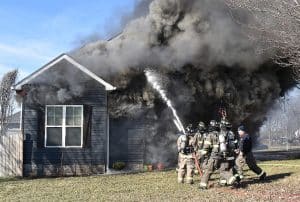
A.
x: 225, y: 124
x: 201, y: 125
x: 189, y: 127
x: 213, y: 123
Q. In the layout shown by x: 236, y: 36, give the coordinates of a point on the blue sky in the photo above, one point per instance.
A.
x: 32, y: 32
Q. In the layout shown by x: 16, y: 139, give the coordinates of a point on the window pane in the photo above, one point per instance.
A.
x: 50, y: 120
x: 69, y: 121
x: 69, y: 116
x: 54, y: 136
x: 73, y: 116
x: 77, y: 111
x: 58, y: 116
x: 58, y: 110
x: 54, y: 116
x: 69, y: 111
x: 50, y: 111
x: 77, y: 121
x: 50, y: 115
x: 73, y: 136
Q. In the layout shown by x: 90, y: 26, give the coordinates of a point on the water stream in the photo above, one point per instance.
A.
x: 153, y: 79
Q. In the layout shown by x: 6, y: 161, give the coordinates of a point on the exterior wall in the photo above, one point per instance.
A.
x: 91, y: 159
x: 127, y: 142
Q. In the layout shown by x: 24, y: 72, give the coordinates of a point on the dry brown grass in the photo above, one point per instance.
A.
x: 282, y: 185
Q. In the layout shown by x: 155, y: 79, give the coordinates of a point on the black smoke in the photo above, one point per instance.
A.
x: 207, y: 62
x: 207, y: 58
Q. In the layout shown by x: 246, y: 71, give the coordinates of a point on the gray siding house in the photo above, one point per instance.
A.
x: 66, y: 130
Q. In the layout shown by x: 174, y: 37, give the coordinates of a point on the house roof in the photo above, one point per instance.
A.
x: 56, y: 60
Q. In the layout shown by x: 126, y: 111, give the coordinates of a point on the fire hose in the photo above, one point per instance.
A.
x: 197, y: 164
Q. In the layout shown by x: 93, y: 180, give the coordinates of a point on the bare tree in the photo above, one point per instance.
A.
x: 282, y: 123
x: 6, y: 101
x: 275, y: 25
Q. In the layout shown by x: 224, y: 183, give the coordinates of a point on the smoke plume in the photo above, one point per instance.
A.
x: 204, y: 53
x: 207, y: 58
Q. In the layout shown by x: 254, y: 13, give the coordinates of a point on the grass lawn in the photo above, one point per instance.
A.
x: 283, y: 184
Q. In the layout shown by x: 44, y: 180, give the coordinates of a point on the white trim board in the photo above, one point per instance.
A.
x: 26, y: 80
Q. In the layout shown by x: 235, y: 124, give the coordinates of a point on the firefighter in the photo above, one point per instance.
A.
x: 228, y: 145
x: 245, y: 155
x: 200, y: 137
x: 211, y: 148
x: 186, y: 165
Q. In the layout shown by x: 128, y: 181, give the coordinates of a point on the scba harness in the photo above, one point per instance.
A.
x: 188, y: 150
x: 228, y: 144
x: 185, y: 146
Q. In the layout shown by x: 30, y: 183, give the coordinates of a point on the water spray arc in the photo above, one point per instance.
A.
x: 152, y: 78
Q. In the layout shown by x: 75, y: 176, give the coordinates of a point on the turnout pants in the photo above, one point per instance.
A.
x: 248, y: 159
x: 186, y: 165
x: 226, y: 172
x: 209, y: 166
x: 201, y: 159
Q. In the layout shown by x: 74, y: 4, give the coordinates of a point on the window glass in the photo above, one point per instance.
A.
x: 54, y: 136
x: 73, y: 136
x: 50, y: 115
x: 73, y: 116
x: 77, y: 111
x: 69, y: 116
x: 77, y: 121
x: 58, y: 116
x: 54, y: 116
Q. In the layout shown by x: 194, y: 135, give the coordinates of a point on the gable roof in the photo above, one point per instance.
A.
x: 56, y: 60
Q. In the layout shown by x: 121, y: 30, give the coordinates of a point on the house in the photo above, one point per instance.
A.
x: 66, y: 124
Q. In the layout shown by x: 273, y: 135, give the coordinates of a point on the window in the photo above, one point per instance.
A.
x: 64, y: 126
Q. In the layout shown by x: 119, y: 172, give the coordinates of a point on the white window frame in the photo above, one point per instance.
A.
x: 63, y: 126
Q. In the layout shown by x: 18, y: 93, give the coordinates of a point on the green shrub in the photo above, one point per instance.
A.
x: 119, y: 165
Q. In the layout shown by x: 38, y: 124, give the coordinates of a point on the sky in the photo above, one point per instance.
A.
x: 32, y: 32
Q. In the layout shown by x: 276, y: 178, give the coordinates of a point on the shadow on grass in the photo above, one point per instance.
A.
x: 13, y: 179
x: 269, y: 179
x: 9, y: 179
